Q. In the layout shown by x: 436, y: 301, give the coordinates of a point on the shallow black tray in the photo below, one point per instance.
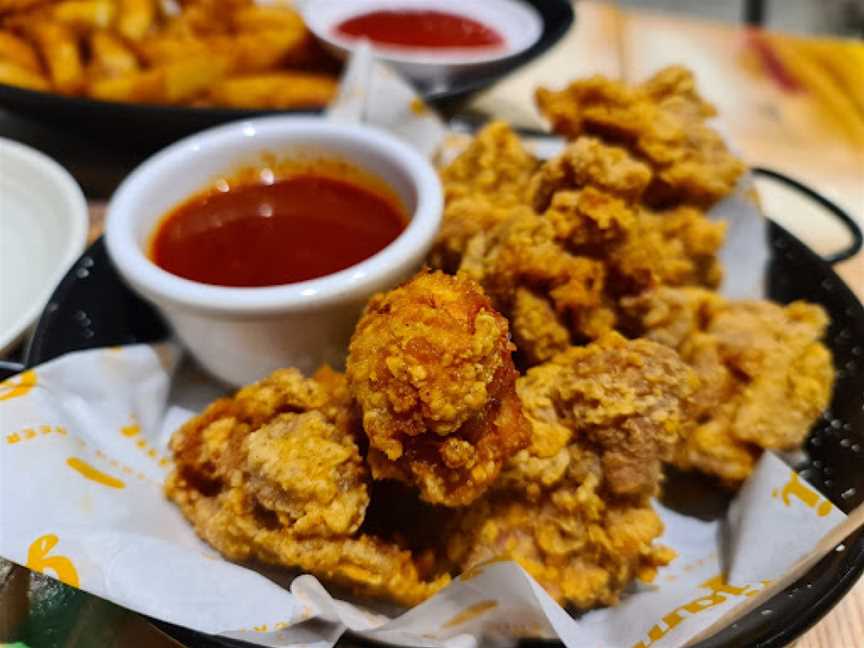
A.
x: 92, y: 308
x: 137, y: 125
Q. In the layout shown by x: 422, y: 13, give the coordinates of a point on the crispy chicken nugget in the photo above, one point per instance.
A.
x: 481, y: 186
x: 765, y: 375
x: 574, y: 508
x: 585, y: 242
x: 430, y: 366
x: 662, y: 121
x: 274, y: 474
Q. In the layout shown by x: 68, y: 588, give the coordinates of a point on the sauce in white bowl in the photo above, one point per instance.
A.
x: 491, y: 33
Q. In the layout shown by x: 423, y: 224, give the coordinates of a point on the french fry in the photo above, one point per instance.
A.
x: 190, y: 52
x: 59, y: 48
x: 85, y: 14
x: 16, y: 75
x: 110, y: 56
x: 136, y: 18
x: 260, y: 18
x: 178, y: 82
x: 160, y: 49
x: 275, y: 90
x: 18, y: 51
x: 259, y: 52
x: 138, y: 87
x: 11, y: 6
x: 185, y: 80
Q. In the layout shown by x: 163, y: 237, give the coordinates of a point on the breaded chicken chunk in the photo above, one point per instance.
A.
x: 274, y: 474
x: 662, y: 122
x: 764, y: 374
x: 480, y: 187
x: 559, y: 275
x: 430, y: 367
x: 574, y: 507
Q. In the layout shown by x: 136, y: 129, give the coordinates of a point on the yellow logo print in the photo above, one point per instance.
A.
x: 799, y: 490
x: 130, y: 430
x: 19, y: 385
x: 91, y: 473
x: 470, y: 613
x: 719, y: 592
x: 38, y: 560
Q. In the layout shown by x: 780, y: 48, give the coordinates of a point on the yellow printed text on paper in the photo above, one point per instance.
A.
x: 38, y: 560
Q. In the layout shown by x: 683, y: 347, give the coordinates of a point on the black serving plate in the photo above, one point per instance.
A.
x: 93, y: 308
x: 150, y: 126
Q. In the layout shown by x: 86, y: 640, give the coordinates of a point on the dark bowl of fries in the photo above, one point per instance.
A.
x: 163, y: 68
x: 151, y: 71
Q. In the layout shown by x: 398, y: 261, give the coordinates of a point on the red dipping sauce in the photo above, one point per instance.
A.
x: 420, y: 28
x: 297, y: 228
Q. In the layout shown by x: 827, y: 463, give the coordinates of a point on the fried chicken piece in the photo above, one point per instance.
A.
x: 574, y: 507
x: 480, y: 187
x: 582, y: 548
x: 625, y: 398
x: 674, y: 247
x: 765, y: 375
x: 431, y: 369
x: 537, y: 331
x: 587, y: 161
x: 274, y: 474
x: 587, y: 250
x: 662, y: 122
x: 524, y: 252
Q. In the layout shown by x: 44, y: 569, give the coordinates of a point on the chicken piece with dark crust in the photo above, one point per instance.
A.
x: 764, y: 374
x: 274, y: 474
x: 431, y: 369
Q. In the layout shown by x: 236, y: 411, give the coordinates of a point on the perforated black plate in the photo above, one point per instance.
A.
x: 92, y: 308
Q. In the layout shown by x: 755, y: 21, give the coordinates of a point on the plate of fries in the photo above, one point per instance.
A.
x: 163, y: 66
x: 171, y: 67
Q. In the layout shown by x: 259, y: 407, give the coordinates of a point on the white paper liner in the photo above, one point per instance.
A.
x: 83, y: 456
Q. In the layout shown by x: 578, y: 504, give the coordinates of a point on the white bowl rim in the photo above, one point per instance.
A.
x: 451, y: 57
x: 79, y: 222
x: 158, y: 284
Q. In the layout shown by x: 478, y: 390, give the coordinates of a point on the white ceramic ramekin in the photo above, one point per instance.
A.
x: 519, y: 24
x: 242, y: 334
x: 43, y: 229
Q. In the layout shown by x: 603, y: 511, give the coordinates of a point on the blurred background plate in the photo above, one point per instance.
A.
x: 148, y: 126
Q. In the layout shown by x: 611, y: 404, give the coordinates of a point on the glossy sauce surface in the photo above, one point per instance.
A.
x: 420, y: 28
x: 298, y: 228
